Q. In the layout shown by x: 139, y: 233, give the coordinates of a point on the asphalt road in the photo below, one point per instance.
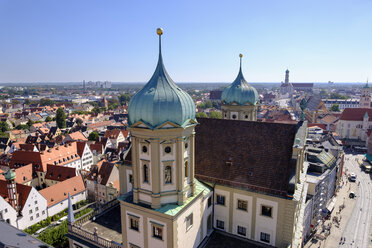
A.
x: 357, y: 232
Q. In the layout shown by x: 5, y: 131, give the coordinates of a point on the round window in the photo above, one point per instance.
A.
x: 144, y: 148
x: 234, y: 116
x: 167, y: 149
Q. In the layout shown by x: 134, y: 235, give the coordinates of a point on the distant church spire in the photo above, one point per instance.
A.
x: 287, y: 76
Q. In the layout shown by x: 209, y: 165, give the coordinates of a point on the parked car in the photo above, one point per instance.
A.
x: 61, y: 220
x: 352, y: 177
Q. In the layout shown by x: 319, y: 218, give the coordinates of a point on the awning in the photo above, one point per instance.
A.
x: 331, y: 205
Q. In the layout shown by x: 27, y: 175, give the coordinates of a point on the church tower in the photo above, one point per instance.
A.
x: 240, y: 99
x: 166, y: 205
x: 162, y: 121
x: 365, y: 97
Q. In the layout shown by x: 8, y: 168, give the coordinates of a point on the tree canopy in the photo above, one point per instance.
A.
x: 61, y: 118
x: 93, y: 136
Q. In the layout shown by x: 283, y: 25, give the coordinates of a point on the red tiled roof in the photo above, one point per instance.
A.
x: 322, y: 126
x: 77, y: 136
x: 59, y: 173
x: 59, y: 155
x: 23, y: 174
x: 355, y: 114
x: 96, y: 147
x: 112, y: 134
x: 100, y: 124
x: 59, y: 192
x: 103, y: 170
x: 22, y: 192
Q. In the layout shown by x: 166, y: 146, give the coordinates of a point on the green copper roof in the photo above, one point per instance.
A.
x: 161, y: 100
x: 366, y: 86
x: 10, y: 174
x: 240, y: 91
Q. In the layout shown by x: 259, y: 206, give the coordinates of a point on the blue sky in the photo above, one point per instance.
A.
x: 75, y: 40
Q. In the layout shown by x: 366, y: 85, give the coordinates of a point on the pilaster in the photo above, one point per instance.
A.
x: 155, y: 173
x: 136, y: 169
x: 192, y: 162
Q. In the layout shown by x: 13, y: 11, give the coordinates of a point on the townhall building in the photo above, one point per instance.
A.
x: 185, y: 180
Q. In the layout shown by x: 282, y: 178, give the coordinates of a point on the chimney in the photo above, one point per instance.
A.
x: 10, y: 176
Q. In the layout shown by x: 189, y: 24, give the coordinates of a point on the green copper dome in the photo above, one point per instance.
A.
x: 161, y: 100
x: 240, y: 91
x: 10, y: 174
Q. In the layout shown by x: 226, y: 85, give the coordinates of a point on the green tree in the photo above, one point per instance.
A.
x: 337, y: 96
x: 215, y: 115
x: 23, y: 127
x: 335, y: 108
x: 201, y: 115
x: 124, y: 98
x: 61, y: 118
x: 4, y: 126
x: 79, y: 121
x: 48, y: 119
x: 46, y: 102
x: 30, y: 123
x: 93, y: 136
x: 15, y: 102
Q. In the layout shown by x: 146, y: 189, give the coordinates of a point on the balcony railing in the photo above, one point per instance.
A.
x: 92, y: 237
x: 76, y: 228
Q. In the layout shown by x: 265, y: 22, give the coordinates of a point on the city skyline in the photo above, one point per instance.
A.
x: 47, y: 41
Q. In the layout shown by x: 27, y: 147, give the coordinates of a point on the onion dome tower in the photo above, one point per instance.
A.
x: 162, y: 121
x: 161, y: 100
x: 240, y: 99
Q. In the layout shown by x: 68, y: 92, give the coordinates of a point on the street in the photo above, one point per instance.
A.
x: 357, y: 232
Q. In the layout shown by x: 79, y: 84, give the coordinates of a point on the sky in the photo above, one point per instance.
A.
x: 115, y: 40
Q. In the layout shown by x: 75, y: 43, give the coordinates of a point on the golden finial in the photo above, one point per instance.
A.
x: 240, y: 55
x: 159, y: 31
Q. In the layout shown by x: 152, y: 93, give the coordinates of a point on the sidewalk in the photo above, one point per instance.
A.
x: 333, y: 237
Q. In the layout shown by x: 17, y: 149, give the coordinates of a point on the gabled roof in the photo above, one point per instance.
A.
x: 112, y: 134
x: 22, y: 192
x: 59, y: 192
x: 77, y: 136
x: 355, y: 114
x: 97, y: 147
x: 59, y: 173
x: 23, y: 174
x: 59, y: 155
x: 102, y: 170
x: 253, y: 155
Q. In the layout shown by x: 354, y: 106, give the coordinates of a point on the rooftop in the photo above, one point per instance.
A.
x: 107, y: 225
x: 173, y: 209
x: 252, y: 155
x: 12, y: 237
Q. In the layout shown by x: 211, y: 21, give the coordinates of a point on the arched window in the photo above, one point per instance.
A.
x: 168, y: 174
x: 145, y: 173
x: 186, y: 169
